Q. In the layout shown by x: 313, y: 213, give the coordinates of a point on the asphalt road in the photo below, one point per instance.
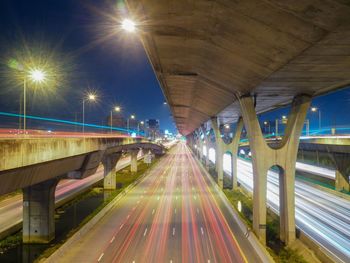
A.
x: 173, y: 215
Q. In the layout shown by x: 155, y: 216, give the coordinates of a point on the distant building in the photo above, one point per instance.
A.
x: 152, y: 130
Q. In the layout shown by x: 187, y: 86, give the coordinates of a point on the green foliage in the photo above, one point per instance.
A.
x: 10, y: 242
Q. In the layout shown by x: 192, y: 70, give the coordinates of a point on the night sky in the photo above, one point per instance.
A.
x: 94, y: 54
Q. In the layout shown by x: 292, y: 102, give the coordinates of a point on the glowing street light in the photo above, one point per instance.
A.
x: 116, y: 109
x: 132, y: 116
x: 138, y: 126
x: 128, y: 25
x: 89, y: 97
x: 36, y: 75
x: 314, y: 109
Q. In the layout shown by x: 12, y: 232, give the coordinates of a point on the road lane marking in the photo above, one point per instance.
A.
x: 152, y: 211
x: 202, y: 230
x: 121, y: 226
x: 208, y: 260
x: 197, y: 211
x: 176, y: 197
x: 112, y: 239
x: 175, y: 210
x: 158, y: 197
x: 173, y: 231
x: 99, y: 259
x: 128, y: 216
x: 144, y: 234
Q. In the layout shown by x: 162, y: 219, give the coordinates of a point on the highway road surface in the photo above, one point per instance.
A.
x: 11, y: 208
x: 322, y: 216
x: 173, y: 215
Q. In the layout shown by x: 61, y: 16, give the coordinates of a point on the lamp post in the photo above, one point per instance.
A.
x: 314, y: 109
x: 35, y: 75
x: 138, y: 126
x: 116, y: 109
x: 89, y: 97
x: 132, y: 116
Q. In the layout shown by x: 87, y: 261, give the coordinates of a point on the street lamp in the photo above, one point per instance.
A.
x: 314, y: 109
x: 132, y: 116
x: 128, y: 25
x: 116, y: 109
x: 37, y: 76
x: 138, y: 126
x: 89, y: 97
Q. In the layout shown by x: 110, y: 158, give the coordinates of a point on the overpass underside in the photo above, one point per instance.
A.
x: 225, y: 60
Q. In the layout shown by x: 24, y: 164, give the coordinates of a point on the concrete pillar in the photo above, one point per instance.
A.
x: 233, y: 148
x: 133, y: 164
x: 284, y: 155
x: 38, y: 212
x: 342, y: 165
x: 219, y: 152
x: 341, y: 181
x: 109, y: 163
x: 206, y: 143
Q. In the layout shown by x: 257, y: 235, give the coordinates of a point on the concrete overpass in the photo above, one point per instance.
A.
x: 336, y: 148
x: 222, y: 60
x: 36, y: 165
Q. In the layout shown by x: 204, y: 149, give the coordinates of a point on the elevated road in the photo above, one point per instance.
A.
x: 324, y: 217
x: 11, y: 209
x: 173, y: 215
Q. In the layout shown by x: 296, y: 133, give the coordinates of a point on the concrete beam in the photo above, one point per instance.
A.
x: 109, y: 163
x: 284, y: 156
x: 38, y: 212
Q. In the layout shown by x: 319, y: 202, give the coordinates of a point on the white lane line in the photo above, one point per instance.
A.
x: 112, y: 239
x: 171, y: 261
x: 128, y: 216
x: 121, y: 226
x: 144, y: 233
x: 208, y: 260
x: 197, y: 211
x: 173, y: 231
x: 158, y: 197
x: 99, y: 259
x: 175, y: 210
x: 202, y: 230
x: 152, y: 211
x: 176, y: 197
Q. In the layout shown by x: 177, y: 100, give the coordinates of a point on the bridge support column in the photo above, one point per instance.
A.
x: 133, y: 164
x: 219, y: 152
x: 109, y: 163
x: 341, y: 181
x: 233, y: 148
x: 342, y: 165
x: 284, y: 156
x: 38, y: 212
